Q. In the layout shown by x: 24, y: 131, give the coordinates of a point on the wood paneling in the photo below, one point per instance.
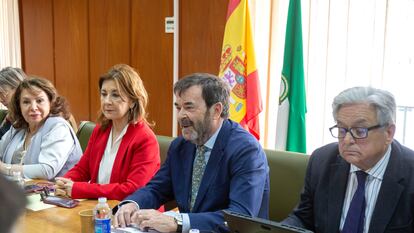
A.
x: 201, y: 35
x: 109, y: 44
x: 72, y: 54
x: 152, y: 56
x: 73, y: 42
x: 37, y: 37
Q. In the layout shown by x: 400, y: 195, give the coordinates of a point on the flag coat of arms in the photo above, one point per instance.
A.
x: 238, y: 68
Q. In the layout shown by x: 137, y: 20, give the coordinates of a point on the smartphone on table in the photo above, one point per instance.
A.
x: 39, y: 186
x: 60, y: 201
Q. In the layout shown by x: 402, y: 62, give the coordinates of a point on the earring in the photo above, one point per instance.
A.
x: 131, y: 113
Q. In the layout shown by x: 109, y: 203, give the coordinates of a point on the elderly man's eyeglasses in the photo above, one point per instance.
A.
x: 356, y: 132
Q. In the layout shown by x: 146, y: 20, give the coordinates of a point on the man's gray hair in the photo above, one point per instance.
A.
x: 11, y: 76
x: 383, y: 102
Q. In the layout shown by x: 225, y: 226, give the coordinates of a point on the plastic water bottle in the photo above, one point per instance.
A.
x: 18, y: 178
x: 102, y: 214
x: 194, y: 231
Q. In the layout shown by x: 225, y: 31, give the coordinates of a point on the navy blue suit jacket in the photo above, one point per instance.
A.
x: 322, y: 198
x: 236, y: 178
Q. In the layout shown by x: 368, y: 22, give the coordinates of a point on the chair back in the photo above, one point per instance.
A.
x: 84, y: 133
x: 287, y: 173
x: 164, y: 143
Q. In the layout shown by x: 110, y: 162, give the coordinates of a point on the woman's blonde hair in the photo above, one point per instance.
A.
x: 130, y: 85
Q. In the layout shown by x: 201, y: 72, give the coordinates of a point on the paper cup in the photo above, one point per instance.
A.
x: 87, y: 221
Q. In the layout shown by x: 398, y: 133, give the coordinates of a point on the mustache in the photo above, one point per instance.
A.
x: 186, y: 122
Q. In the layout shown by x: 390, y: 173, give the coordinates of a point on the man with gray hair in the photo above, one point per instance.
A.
x: 10, y: 78
x: 364, y: 183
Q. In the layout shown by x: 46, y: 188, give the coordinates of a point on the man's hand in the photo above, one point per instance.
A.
x: 123, y: 215
x: 63, y: 187
x: 155, y: 220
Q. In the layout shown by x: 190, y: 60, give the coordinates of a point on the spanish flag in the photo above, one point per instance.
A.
x: 238, y: 67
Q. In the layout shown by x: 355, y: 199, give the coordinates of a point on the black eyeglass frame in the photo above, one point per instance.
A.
x: 349, y: 130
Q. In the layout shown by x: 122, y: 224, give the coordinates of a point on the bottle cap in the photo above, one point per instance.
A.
x: 102, y: 199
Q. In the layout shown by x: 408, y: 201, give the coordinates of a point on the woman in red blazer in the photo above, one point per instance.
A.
x: 123, y: 153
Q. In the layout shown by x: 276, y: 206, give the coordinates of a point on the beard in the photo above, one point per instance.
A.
x: 196, y: 132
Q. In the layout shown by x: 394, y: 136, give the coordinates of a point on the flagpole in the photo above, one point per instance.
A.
x: 175, y: 63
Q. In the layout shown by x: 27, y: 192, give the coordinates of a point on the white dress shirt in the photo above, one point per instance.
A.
x: 108, y: 158
x: 372, y: 187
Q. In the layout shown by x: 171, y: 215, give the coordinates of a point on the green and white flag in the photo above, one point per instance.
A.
x: 291, y: 128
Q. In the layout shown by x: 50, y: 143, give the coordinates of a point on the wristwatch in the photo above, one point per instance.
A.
x: 179, y: 221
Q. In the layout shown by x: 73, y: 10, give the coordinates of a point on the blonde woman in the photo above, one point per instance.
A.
x: 122, y: 154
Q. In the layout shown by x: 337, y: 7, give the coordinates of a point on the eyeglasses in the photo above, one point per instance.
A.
x: 356, y: 132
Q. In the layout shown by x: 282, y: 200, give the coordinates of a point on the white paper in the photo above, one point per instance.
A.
x: 35, y: 204
x: 130, y: 230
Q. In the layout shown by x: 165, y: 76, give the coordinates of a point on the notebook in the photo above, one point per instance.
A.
x: 239, y: 223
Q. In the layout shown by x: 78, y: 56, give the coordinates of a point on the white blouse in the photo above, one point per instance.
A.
x: 108, y: 158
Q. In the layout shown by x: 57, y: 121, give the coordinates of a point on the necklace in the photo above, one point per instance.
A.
x: 27, y: 140
x: 26, y: 143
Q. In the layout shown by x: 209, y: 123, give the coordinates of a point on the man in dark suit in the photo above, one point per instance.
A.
x: 215, y: 165
x: 365, y: 182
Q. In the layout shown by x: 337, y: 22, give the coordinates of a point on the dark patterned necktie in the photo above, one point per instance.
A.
x: 355, y: 218
x: 198, y: 172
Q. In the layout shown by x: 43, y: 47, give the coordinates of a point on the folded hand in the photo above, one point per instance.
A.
x: 153, y: 219
x: 63, y: 187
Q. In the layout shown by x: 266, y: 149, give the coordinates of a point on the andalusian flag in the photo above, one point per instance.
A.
x: 291, y: 129
x: 238, y: 67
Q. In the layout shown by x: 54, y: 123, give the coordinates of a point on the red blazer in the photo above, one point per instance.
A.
x: 136, y: 162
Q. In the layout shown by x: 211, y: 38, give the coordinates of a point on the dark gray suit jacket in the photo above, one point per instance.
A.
x: 322, y: 197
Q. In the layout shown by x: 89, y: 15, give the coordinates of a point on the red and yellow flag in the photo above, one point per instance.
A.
x: 238, y: 67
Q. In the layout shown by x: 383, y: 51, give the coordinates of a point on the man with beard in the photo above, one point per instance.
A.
x: 215, y: 165
x: 365, y: 182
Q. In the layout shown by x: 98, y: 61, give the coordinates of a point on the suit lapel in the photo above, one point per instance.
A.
x: 120, y: 155
x: 209, y: 175
x: 338, y: 178
x: 187, y: 155
x: 101, y: 141
x: 389, y: 194
x: 213, y: 164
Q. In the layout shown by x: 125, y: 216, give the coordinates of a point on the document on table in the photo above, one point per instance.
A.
x: 130, y: 230
x: 34, y: 203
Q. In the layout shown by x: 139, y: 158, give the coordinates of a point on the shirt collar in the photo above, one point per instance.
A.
x: 212, y: 140
x: 121, y: 135
x: 376, y: 170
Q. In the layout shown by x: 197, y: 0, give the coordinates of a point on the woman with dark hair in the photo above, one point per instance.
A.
x: 123, y: 153
x: 10, y: 78
x: 41, y: 144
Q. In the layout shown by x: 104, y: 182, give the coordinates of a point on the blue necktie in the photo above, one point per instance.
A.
x: 355, y: 218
